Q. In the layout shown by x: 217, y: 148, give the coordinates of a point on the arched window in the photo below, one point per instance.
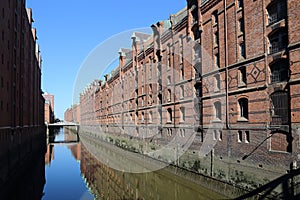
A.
x: 280, y: 108
x: 243, y: 109
x: 279, y: 71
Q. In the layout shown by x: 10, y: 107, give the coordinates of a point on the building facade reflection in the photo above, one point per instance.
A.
x: 108, y: 183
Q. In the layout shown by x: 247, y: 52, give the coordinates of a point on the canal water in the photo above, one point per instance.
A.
x: 74, y: 171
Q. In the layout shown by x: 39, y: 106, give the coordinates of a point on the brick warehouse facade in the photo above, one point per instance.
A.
x: 225, y: 73
x: 21, y: 102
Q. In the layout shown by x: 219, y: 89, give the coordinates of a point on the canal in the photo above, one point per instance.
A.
x: 73, y: 170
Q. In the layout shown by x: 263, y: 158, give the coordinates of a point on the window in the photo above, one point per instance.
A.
x: 158, y: 71
x: 279, y: 71
x: 182, y: 114
x: 280, y: 108
x: 242, y: 76
x: 136, y: 117
x: 2, y: 35
x: 195, y: 14
x: 142, y: 101
x: 240, y: 136
x: 215, y: 17
x: 159, y: 96
x: 247, y: 138
x: 150, y: 71
x: 240, y: 3
x: 243, y: 109
x: 216, y: 39
x: 169, y: 80
x: 277, y: 10
x: 182, y: 132
x: 181, y: 92
x: 143, y: 117
x: 169, y: 95
x: 169, y: 132
x: 217, y: 60
x: 181, y: 74
x: 150, y: 88
x: 169, y: 115
x: 197, y: 51
x: 150, y: 117
x: 278, y: 41
x: 217, y: 83
x: 215, y: 135
x: 150, y: 99
x: 242, y: 50
x: 169, y: 57
x: 241, y: 26
x: 2, y: 59
x: 220, y: 135
x: 218, y: 113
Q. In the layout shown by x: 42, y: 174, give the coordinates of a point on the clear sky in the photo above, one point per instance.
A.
x: 69, y: 30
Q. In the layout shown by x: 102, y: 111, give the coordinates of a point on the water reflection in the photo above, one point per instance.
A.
x: 71, y: 170
x: 25, y: 178
x: 63, y: 177
x: 107, y: 183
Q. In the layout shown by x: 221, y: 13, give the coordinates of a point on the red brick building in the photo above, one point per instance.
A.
x: 73, y: 114
x: 49, y: 108
x: 21, y: 101
x: 250, y: 87
x: 224, y: 73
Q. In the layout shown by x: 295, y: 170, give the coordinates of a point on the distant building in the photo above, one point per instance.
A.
x: 49, y: 108
x: 73, y: 114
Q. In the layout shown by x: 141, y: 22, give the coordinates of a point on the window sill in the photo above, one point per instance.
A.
x: 216, y: 90
x: 241, y: 34
x: 242, y: 119
x: 242, y: 85
x: 181, y: 122
x: 216, y: 120
x: 169, y: 122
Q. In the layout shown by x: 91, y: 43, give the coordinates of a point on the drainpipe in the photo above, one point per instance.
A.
x: 265, y: 56
x: 226, y: 66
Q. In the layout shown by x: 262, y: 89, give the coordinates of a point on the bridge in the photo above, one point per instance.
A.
x: 62, y: 124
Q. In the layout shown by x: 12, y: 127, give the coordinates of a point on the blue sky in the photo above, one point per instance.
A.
x: 68, y: 31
